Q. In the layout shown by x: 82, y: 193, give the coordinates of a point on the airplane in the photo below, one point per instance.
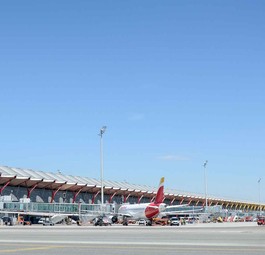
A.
x: 145, y: 210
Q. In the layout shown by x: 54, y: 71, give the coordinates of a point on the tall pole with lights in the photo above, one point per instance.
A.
x: 101, y: 132
x: 259, y: 197
x: 205, y: 184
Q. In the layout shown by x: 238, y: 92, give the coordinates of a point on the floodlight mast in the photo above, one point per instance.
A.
x: 205, y: 183
x: 101, y: 132
x: 259, y: 197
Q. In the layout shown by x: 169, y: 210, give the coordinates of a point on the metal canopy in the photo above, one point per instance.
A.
x: 28, y: 178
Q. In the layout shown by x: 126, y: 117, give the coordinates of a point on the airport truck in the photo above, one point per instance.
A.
x: 261, y: 221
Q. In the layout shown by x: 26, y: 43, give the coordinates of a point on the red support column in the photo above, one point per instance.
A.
x: 110, y: 200
x: 55, y: 192
x: 197, y: 202
x: 190, y: 201
x: 2, y: 189
x: 94, y: 197
x: 77, y: 193
x: 153, y: 198
x: 139, y: 199
x: 30, y: 190
x: 172, y: 201
x: 181, y: 201
x: 125, y: 198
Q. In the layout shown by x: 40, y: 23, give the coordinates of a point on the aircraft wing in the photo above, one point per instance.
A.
x: 195, y: 211
x: 177, y: 206
x: 125, y: 215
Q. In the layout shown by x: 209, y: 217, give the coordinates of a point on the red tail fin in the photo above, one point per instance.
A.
x: 160, y: 192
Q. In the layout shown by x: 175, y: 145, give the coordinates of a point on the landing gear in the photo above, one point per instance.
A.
x: 149, y: 222
x: 125, y: 221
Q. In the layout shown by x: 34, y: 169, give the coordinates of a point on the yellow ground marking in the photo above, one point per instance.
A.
x: 199, y: 249
x: 138, y: 247
x: 176, y: 250
x: 30, y: 249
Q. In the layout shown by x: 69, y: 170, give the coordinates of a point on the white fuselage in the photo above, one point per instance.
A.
x: 139, y: 211
x: 135, y: 211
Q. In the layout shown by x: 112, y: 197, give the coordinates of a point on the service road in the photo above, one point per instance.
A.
x: 214, y: 239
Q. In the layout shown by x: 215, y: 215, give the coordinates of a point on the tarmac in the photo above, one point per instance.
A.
x: 209, y: 238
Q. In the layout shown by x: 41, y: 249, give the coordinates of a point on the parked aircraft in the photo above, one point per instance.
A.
x: 145, y: 210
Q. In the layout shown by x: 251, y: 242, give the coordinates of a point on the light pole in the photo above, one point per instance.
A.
x: 259, y: 197
x: 101, y: 132
x: 205, y: 183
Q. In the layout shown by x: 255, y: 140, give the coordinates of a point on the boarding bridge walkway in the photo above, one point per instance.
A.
x: 54, y: 208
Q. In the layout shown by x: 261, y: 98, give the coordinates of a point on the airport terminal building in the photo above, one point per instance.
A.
x: 46, y: 187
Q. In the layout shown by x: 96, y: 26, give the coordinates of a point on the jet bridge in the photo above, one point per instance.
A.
x: 54, y: 208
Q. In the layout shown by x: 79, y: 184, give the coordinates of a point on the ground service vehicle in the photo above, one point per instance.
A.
x: 174, y: 221
x: 47, y: 222
x: 142, y: 222
x: 261, y: 221
x: 7, y: 221
x: 102, y: 221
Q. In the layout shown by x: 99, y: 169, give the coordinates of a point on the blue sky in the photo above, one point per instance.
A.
x: 175, y: 82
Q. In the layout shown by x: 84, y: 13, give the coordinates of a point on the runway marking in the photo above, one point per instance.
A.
x: 133, y: 243
x: 167, y: 248
x: 198, y: 249
x: 30, y: 249
x: 123, y: 247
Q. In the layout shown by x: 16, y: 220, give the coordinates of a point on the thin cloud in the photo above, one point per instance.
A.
x: 173, y: 158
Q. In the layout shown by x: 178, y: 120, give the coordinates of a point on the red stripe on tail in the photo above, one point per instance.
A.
x: 160, y: 192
